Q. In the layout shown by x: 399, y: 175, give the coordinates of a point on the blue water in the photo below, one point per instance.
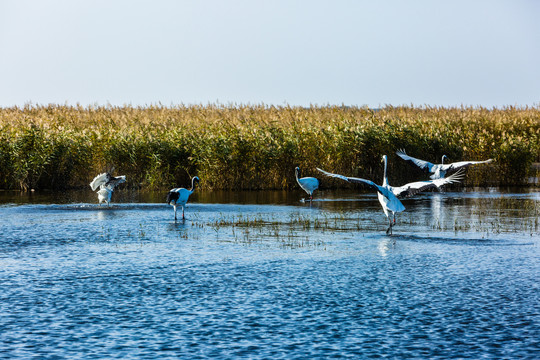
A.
x: 271, y: 277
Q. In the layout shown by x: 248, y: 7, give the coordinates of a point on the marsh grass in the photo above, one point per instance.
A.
x: 292, y: 232
x: 299, y: 230
x: 257, y: 147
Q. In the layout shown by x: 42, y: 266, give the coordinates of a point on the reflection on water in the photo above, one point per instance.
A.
x: 385, y: 246
x: 263, y: 275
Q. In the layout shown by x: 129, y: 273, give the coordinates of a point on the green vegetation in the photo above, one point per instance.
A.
x: 257, y: 147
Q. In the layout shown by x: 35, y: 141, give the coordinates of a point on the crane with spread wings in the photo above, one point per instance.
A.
x: 389, y: 195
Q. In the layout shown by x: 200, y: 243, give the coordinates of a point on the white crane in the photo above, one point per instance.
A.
x: 389, y: 195
x: 106, y: 183
x: 438, y: 170
x: 309, y: 184
x: 179, y: 196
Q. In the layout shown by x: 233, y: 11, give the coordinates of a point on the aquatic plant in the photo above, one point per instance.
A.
x: 257, y: 147
x: 293, y: 232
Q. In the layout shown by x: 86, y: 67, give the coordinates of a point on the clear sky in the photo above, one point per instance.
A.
x: 374, y: 53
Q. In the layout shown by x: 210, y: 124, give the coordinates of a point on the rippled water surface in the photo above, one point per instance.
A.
x: 263, y: 275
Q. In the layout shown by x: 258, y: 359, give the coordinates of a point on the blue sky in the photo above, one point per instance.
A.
x: 374, y: 53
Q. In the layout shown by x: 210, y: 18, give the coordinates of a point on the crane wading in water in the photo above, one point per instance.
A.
x: 439, y: 170
x: 389, y: 195
x: 179, y: 196
x: 106, y: 183
x: 309, y: 184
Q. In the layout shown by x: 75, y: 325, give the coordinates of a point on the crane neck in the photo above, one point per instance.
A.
x: 385, y: 178
x: 192, y: 184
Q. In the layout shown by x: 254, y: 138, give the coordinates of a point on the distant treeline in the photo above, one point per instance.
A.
x: 258, y: 147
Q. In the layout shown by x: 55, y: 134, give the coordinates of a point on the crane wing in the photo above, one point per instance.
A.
x: 422, y: 164
x: 100, y: 180
x: 115, y: 181
x: 419, y: 186
x: 464, y: 164
x: 369, y: 183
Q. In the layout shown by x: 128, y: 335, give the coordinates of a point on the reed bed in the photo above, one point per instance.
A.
x: 258, y: 146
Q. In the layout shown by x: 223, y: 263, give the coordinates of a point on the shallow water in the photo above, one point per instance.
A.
x: 263, y: 275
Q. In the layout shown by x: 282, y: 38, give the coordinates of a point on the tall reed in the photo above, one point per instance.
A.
x: 257, y: 147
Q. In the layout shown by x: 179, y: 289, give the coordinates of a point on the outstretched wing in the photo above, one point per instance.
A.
x: 100, y: 180
x: 369, y: 183
x: 419, y: 186
x: 115, y: 181
x: 464, y: 164
x: 422, y: 164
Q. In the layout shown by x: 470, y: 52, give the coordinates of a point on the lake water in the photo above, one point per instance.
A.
x: 264, y: 275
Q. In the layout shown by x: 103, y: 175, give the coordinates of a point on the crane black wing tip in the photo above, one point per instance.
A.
x: 172, y: 195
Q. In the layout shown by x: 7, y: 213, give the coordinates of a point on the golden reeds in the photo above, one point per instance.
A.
x: 257, y: 147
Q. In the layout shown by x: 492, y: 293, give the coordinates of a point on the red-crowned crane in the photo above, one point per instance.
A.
x: 106, y: 183
x: 179, y: 196
x: 309, y: 184
x: 439, y: 170
x: 389, y: 195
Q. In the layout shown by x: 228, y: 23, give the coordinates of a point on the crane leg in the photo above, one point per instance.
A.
x: 389, y: 230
